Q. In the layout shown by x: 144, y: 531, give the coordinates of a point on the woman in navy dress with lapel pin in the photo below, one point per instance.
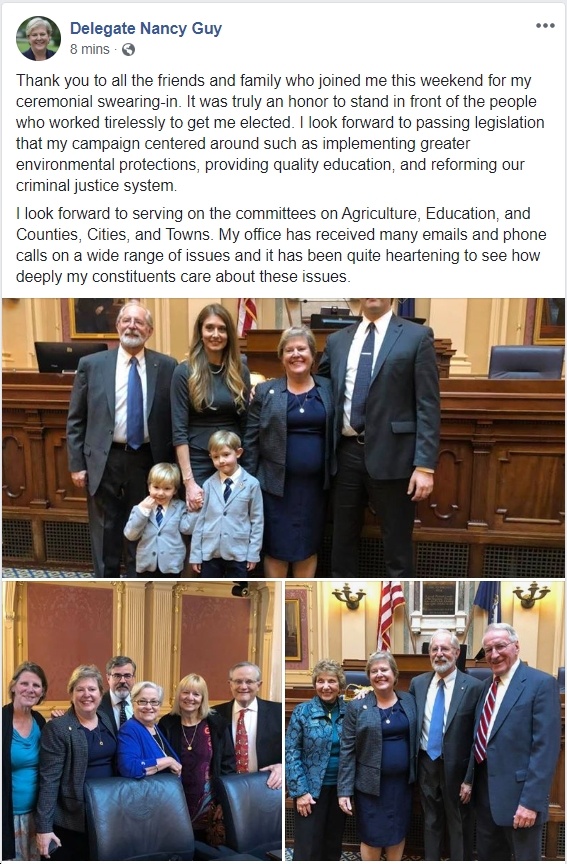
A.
x: 377, y: 761
x: 287, y: 447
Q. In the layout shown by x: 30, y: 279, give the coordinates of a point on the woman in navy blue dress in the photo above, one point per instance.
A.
x: 287, y: 447
x: 377, y: 761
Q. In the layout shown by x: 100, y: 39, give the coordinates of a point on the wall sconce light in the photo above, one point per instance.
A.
x: 348, y: 596
x: 528, y: 598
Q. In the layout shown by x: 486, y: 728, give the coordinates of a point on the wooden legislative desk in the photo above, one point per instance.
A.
x: 261, y: 352
x: 500, y: 478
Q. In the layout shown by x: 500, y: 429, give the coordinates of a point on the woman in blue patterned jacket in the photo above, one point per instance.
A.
x: 311, y: 767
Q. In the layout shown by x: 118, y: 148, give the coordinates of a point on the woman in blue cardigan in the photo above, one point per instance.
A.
x: 311, y: 767
x: 142, y: 750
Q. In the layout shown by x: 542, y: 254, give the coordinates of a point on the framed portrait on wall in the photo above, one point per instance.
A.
x: 549, y: 321
x: 292, y: 630
x: 91, y: 318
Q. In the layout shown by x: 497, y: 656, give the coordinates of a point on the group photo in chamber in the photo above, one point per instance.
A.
x: 138, y: 754
x: 284, y: 438
x: 439, y: 734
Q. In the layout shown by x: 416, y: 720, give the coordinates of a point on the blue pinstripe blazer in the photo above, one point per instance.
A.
x: 361, y: 745
x: 266, y: 433
x: 63, y: 762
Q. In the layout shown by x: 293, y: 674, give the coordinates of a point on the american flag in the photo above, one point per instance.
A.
x: 247, y: 319
x: 391, y: 596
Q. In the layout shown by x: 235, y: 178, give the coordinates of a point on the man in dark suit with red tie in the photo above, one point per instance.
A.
x: 386, y: 437
x: 261, y: 723
x: 118, y: 426
x: 516, y: 748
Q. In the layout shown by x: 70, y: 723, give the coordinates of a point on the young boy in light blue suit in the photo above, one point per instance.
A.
x: 228, y: 535
x: 158, y: 522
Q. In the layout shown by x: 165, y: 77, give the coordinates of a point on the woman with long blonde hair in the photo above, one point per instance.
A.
x: 209, y: 391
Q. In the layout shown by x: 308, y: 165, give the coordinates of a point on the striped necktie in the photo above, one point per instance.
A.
x: 481, y: 738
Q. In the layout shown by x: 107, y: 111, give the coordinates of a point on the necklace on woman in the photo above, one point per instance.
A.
x: 385, y: 716
x: 158, y: 741
x: 300, y: 403
x: 190, y: 743
x: 218, y: 372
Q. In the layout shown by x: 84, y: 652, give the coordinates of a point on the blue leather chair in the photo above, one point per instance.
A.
x: 481, y: 673
x: 142, y: 820
x: 252, y: 815
x: 526, y: 361
x: 357, y: 677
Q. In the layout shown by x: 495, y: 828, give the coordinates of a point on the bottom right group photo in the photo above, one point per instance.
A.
x: 424, y: 720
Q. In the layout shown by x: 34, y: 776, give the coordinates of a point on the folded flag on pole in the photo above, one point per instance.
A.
x: 391, y: 596
x: 488, y: 597
x: 247, y: 318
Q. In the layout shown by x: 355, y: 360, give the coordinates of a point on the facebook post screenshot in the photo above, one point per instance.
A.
x: 264, y: 148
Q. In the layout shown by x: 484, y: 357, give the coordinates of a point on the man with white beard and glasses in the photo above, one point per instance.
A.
x: 118, y: 426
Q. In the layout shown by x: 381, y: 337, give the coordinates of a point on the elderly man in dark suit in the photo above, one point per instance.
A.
x: 516, y: 747
x: 387, y: 418
x: 118, y: 426
x: 446, y: 702
x: 263, y: 723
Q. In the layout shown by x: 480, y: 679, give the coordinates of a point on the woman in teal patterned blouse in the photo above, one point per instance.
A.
x: 311, y: 766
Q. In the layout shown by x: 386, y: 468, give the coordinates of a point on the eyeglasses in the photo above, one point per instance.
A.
x: 240, y: 681
x: 117, y: 676
x: 137, y: 322
x: 499, y: 648
x: 143, y: 703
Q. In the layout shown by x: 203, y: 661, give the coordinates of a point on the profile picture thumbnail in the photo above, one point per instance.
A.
x: 38, y: 38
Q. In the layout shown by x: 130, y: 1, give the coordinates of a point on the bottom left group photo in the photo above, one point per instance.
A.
x: 142, y: 719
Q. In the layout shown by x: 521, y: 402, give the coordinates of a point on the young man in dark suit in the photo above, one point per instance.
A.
x: 386, y: 437
x: 118, y: 426
x: 263, y: 721
x: 445, y: 766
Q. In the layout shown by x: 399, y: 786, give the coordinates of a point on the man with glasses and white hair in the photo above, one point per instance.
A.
x: 116, y: 702
x: 516, y: 747
x: 446, y: 700
x: 255, y: 724
x: 118, y: 426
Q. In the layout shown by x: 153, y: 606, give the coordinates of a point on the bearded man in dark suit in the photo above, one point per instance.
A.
x: 103, y: 458
x: 445, y: 774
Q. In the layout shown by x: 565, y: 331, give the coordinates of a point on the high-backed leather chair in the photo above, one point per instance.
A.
x: 140, y: 820
x: 526, y: 361
x: 252, y: 813
x: 481, y: 673
x: 357, y: 677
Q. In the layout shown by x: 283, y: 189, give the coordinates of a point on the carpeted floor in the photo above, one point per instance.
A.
x: 347, y: 856
x: 21, y: 573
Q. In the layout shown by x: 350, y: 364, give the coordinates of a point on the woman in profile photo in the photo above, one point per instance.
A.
x: 38, y: 34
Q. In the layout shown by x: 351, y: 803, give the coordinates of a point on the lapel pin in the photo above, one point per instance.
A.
x: 365, y: 707
x: 271, y: 391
